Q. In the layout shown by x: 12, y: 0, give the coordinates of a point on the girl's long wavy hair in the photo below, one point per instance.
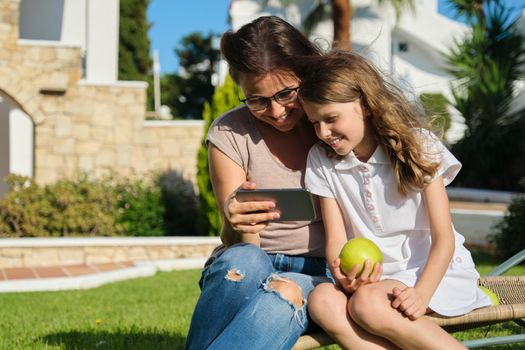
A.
x: 341, y: 77
x: 268, y: 44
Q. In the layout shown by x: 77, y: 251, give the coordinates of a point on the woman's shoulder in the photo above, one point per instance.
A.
x: 235, y: 120
x: 233, y: 133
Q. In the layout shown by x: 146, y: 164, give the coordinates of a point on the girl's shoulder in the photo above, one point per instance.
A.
x: 319, y: 153
x: 427, y: 137
x: 431, y: 145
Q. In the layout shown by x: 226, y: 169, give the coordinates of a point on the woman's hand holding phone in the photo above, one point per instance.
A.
x: 248, y: 217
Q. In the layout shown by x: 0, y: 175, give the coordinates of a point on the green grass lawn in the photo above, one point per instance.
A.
x: 147, y: 313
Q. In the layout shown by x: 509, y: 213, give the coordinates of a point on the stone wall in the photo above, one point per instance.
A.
x: 43, y: 252
x: 84, y: 126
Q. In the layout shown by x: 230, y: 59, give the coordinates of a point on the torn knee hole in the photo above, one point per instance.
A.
x: 288, y: 289
x: 234, y: 275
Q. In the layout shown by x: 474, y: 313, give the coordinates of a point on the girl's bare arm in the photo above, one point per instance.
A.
x: 440, y: 255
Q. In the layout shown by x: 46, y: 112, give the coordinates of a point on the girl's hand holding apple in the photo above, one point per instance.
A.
x: 356, y: 251
x: 360, y: 262
x: 358, y: 276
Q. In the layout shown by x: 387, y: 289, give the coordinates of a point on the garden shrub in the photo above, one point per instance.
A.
x: 81, y: 206
x: 24, y: 210
x: 109, y: 206
x: 140, y: 209
x: 510, y: 231
x: 65, y: 208
x: 224, y: 99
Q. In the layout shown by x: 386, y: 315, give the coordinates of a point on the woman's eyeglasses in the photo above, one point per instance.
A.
x: 283, y: 97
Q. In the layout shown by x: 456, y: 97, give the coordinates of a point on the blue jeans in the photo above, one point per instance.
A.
x: 237, y: 309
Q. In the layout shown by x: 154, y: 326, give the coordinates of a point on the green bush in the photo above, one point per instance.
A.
x: 510, y: 231
x: 140, y: 207
x: 82, y: 206
x: 109, y: 206
x: 24, y: 210
x: 224, y: 99
x: 65, y: 208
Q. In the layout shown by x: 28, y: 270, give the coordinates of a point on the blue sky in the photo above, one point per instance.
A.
x: 173, y: 19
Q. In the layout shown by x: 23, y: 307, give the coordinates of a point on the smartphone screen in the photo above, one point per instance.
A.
x: 293, y: 204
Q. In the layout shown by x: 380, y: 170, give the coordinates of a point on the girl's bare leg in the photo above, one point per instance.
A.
x: 327, y: 305
x: 370, y: 307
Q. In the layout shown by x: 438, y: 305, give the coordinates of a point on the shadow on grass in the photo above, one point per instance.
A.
x: 115, y: 340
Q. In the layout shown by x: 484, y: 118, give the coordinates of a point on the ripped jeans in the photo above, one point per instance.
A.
x: 238, y: 310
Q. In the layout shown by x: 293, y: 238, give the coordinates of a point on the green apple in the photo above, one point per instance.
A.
x: 356, y: 251
x: 492, y: 296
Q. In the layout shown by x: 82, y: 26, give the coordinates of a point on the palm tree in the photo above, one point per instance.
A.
x: 341, y: 12
x: 341, y: 17
x: 487, y: 66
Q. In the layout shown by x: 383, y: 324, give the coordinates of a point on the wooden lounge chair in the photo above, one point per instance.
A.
x: 510, y: 291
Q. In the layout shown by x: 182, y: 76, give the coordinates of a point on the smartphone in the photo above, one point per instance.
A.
x: 293, y: 204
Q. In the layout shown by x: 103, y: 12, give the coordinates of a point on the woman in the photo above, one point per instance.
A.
x: 254, y: 295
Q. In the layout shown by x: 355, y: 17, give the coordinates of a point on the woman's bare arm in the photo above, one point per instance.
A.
x: 240, y: 222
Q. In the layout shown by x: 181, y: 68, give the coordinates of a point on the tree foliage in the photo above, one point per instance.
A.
x: 186, y: 91
x: 224, y: 99
x: 134, y: 61
x: 487, y: 66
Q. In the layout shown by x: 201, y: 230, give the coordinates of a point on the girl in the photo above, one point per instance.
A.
x: 380, y: 175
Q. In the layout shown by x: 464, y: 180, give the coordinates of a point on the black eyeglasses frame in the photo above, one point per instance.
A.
x: 268, y: 99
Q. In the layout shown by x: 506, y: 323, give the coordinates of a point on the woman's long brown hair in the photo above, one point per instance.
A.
x: 267, y: 45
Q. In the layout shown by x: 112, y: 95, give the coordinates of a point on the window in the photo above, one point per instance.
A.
x: 402, y: 46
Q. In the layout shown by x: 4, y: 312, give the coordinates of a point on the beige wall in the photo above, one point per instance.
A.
x: 41, y: 252
x: 81, y: 126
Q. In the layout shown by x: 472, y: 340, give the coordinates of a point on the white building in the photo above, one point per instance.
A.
x: 91, y: 26
x: 409, y: 49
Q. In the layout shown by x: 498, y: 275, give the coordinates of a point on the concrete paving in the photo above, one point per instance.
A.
x: 54, y: 278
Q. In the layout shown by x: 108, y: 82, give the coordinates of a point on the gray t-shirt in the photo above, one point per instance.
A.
x: 237, y: 136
